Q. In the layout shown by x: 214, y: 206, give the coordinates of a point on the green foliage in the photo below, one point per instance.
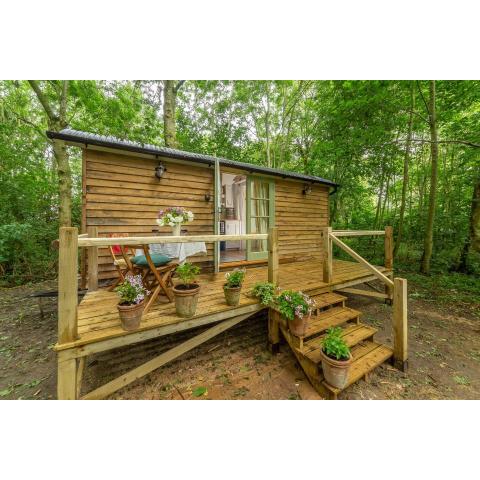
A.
x: 353, y: 132
x: 235, y: 279
x: 334, y: 346
x: 131, y: 291
x: 199, y: 391
x: 187, y: 273
x: 293, y: 304
x: 265, y: 292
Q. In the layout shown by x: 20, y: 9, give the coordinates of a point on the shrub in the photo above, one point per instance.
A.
x: 264, y: 291
x: 291, y: 304
x: 187, y: 273
x: 235, y: 279
x: 334, y: 345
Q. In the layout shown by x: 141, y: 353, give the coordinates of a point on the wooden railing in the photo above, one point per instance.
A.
x: 395, y: 290
x: 70, y: 241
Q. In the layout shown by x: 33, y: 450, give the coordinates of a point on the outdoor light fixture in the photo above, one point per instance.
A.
x: 208, y: 197
x: 160, y: 169
x: 307, y: 190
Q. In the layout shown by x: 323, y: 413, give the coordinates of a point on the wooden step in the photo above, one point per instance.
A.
x: 328, y: 300
x: 367, y: 356
x: 353, y: 334
x: 330, y: 318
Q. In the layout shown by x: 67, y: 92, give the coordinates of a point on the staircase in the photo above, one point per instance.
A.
x: 332, y: 312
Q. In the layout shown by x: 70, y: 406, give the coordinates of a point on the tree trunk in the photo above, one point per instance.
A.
x: 428, y: 240
x: 473, y: 238
x: 169, y: 102
x: 406, y: 160
x: 57, y: 120
x: 64, y: 184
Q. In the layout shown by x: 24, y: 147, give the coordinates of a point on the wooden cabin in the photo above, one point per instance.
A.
x: 125, y: 184
x: 272, y: 221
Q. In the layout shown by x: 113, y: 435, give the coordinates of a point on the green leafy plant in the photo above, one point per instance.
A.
x: 187, y: 273
x: 235, y: 279
x: 265, y: 292
x: 199, y: 391
x: 291, y: 304
x: 334, y: 345
x: 131, y: 291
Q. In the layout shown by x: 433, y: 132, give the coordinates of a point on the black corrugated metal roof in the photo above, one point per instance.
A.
x: 76, y: 136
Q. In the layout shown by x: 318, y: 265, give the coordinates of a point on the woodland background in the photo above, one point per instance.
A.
x: 406, y: 153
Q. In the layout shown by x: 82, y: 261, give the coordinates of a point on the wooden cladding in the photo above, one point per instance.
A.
x: 299, y: 218
x: 122, y: 195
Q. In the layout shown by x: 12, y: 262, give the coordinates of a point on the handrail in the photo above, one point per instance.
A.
x: 357, y: 233
x: 106, y: 241
x: 360, y: 259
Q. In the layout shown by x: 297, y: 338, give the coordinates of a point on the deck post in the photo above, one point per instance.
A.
x: 273, y: 326
x: 273, y: 255
x: 92, y: 257
x: 67, y: 310
x: 400, y: 324
x: 328, y: 254
x: 389, y: 259
x: 67, y: 284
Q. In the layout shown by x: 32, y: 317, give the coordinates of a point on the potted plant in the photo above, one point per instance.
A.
x: 296, y: 308
x: 233, y: 286
x: 186, y: 292
x: 174, y: 217
x: 265, y: 292
x: 336, y: 358
x: 132, y: 295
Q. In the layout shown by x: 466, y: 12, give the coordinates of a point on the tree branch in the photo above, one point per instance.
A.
x: 423, y: 98
x: 178, y: 85
x: 63, y: 104
x: 43, y: 100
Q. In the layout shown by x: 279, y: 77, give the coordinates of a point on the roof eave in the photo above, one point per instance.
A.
x: 76, y: 139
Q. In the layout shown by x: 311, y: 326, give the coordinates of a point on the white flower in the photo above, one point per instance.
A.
x: 190, y: 216
x: 178, y: 219
x: 171, y: 224
x: 160, y: 221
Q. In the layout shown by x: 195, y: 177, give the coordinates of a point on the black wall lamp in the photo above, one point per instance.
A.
x: 160, y: 169
x: 307, y: 190
x: 208, y: 197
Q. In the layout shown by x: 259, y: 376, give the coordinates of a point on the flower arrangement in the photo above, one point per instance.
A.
x: 235, y: 279
x: 265, y: 292
x: 131, y: 291
x: 172, y: 216
x: 293, y: 304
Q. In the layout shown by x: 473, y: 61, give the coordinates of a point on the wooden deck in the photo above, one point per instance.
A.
x: 99, y: 325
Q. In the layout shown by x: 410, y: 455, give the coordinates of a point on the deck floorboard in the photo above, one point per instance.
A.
x: 98, y: 317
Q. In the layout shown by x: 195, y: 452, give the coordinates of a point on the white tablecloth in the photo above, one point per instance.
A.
x: 178, y: 251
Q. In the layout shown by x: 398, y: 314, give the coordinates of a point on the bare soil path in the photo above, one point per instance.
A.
x: 444, y: 357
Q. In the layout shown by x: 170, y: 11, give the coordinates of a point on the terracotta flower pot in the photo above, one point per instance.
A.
x: 232, y: 295
x: 186, y: 298
x: 131, y: 315
x: 298, y: 326
x: 335, y: 371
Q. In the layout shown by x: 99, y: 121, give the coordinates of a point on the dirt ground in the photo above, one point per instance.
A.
x: 444, y: 357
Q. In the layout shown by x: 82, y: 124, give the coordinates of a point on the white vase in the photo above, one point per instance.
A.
x: 177, y: 229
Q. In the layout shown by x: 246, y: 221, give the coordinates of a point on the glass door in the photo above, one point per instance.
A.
x: 260, y: 214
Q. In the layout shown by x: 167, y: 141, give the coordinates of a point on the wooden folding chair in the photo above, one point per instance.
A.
x: 156, y: 279
x: 120, y: 256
